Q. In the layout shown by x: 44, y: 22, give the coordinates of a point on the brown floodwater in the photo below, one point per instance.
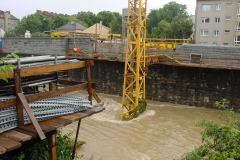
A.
x: 164, y: 131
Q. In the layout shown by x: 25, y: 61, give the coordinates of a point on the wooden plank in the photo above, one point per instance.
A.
x: 22, y: 130
x: 2, y: 150
x: 16, y: 136
x: 9, y: 144
x: 89, y: 112
x: 78, y: 116
x: 56, y: 122
x: 10, y: 74
x: 71, y: 83
x: 51, y: 68
x: 31, y: 115
x: 71, y: 118
x: 31, y: 128
x: 44, y: 95
x: 95, y: 96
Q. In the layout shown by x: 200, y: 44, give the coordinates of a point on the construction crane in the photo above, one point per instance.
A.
x: 135, y: 62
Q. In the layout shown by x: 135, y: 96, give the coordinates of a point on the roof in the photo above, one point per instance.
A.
x: 13, y: 17
x: 72, y: 26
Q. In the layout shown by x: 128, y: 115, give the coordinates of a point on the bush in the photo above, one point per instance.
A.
x: 220, y: 141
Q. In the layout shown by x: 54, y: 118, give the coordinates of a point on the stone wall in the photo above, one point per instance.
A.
x: 181, y: 85
x: 45, y: 46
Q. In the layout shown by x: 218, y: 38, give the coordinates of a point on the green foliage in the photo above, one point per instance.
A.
x: 88, y: 17
x: 39, y: 151
x: 220, y: 141
x: 181, y: 26
x: 117, y: 23
x: 172, y: 15
x: 162, y: 30
x: 8, y: 67
x: 106, y: 17
x: 142, y: 104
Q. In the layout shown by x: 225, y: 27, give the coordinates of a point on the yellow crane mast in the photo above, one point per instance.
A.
x: 135, y: 63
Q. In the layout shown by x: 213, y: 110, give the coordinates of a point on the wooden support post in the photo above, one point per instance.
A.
x: 24, y: 103
x: 89, y: 81
x: 52, y: 146
x: 76, y: 138
x: 18, y: 89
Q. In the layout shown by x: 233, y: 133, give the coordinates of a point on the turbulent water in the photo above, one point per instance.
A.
x: 165, y: 131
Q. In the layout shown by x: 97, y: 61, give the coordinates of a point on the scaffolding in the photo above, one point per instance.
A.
x: 135, y: 65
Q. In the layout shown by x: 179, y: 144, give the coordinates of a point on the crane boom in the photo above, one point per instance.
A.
x: 135, y: 62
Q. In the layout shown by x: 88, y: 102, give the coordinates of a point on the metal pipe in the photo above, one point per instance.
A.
x: 46, y: 63
x: 31, y: 59
x: 39, y: 83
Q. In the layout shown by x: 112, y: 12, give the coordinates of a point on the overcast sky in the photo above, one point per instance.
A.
x: 21, y: 8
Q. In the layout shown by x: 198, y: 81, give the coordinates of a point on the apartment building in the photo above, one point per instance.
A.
x: 217, y: 22
x: 7, y: 21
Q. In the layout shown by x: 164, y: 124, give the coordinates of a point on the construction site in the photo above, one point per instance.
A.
x: 35, y: 103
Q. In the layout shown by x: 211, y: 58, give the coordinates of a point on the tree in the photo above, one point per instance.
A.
x: 88, y: 17
x: 117, y: 23
x: 167, y: 13
x: 182, y: 26
x: 59, y: 21
x: 162, y: 30
x: 153, y: 18
x: 34, y: 23
x: 106, y: 17
x: 171, y: 10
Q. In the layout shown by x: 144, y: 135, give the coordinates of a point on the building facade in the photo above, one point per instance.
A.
x: 7, y: 21
x: 217, y: 22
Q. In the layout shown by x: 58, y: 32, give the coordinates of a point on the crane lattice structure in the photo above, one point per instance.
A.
x: 135, y: 62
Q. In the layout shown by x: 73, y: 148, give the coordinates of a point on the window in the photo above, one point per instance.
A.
x: 228, y: 18
x: 238, y: 2
x: 237, y: 40
x: 206, y: 7
x: 216, y: 33
x: 238, y: 12
x: 205, y: 20
x: 226, y: 44
x: 204, y: 33
x: 217, y: 20
x: 226, y: 31
x: 229, y: 4
x: 237, y: 26
x: 218, y: 7
x: 215, y: 43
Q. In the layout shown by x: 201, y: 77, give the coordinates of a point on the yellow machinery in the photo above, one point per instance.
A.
x: 58, y: 34
x: 135, y: 63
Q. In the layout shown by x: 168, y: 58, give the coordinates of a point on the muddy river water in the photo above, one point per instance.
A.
x: 164, y: 131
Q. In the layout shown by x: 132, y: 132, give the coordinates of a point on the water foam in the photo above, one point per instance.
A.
x: 112, y: 112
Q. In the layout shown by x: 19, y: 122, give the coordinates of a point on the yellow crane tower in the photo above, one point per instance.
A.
x: 135, y: 62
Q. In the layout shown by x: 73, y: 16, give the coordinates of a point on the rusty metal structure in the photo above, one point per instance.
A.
x: 26, y: 106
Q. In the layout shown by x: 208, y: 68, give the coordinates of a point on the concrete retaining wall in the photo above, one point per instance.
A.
x: 181, y: 85
x: 45, y: 46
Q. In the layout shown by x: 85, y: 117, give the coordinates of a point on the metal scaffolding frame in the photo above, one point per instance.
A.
x: 135, y: 63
